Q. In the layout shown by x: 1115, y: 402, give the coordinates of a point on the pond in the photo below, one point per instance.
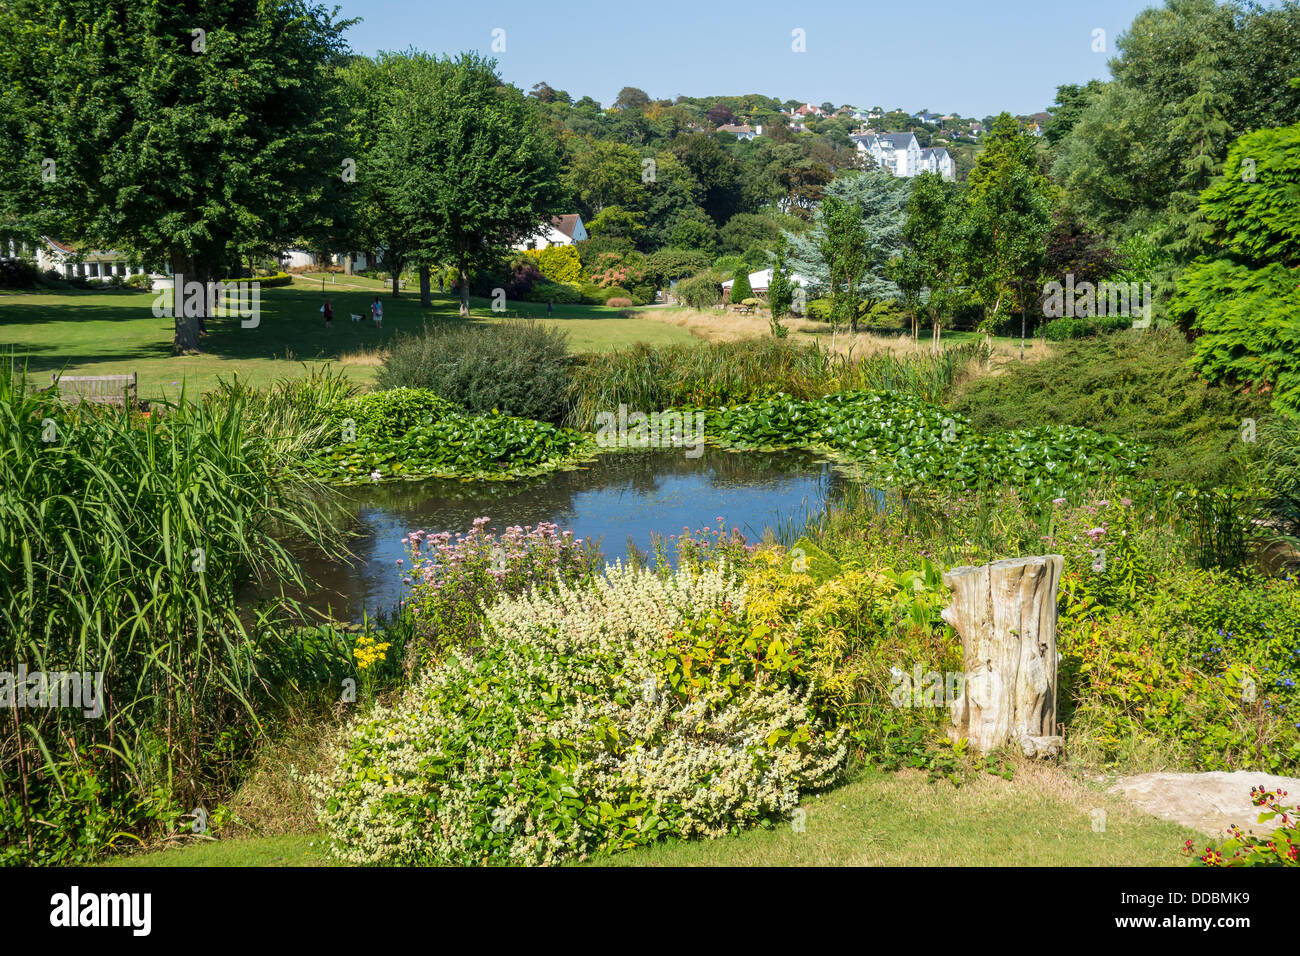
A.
x: 616, y: 499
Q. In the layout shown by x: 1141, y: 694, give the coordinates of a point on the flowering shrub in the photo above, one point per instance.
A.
x: 558, y: 739
x: 455, y: 578
x: 1280, y: 848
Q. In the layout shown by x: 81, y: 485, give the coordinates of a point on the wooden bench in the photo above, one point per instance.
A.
x: 99, y: 389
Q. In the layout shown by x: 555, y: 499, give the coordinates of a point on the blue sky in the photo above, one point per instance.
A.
x: 975, y: 58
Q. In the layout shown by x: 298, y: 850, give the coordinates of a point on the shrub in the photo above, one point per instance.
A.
x: 560, y: 264
x: 1138, y: 386
x: 580, y: 740
x: 820, y: 309
x: 455, y: 579
x: 392, y: 413
x: 740, y: 288
x: 616, y: 292
x: 701, y: 292
x: 517, y: 368
x: 140, y: 281
x: 667, y: 264
x: 618, y: 303
x: 544, y: 290
x: 18, y: 274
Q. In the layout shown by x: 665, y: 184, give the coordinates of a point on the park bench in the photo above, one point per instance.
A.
x: 99, y: 389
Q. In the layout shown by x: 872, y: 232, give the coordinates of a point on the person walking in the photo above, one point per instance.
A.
x: 550, y: 307
x: 329, y: 314
x: 377, y: 313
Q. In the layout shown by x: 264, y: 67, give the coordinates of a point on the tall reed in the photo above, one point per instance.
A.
x: 126, y: 541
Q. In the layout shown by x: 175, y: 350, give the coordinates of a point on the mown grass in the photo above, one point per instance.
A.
x: 103, y: 333
x: 1042, y: 817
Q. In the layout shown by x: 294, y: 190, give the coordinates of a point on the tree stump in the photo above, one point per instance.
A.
x: 1005, y: 613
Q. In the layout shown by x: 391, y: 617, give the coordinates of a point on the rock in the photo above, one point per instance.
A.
x: 1209, y: 802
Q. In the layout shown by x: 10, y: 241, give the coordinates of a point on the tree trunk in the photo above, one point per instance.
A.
x: 462, y: 281
x: 186, y: 340
x: 1005, y: 613
x: 396, y: 276
x: 426, y: 297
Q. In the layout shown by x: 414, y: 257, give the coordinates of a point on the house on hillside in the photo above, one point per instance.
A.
x: 902, y: 155
x: 809, y: 110
x: 744, y: 131
x: 560, y: 231
x: 936, y: 159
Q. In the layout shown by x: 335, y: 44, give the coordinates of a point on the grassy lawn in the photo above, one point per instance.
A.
x: 1041, y: 818
x: 93, y: 333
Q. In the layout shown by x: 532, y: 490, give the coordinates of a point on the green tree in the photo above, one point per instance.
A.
x: 1244, y: 307
x: 1009, y: 213
x: 185, y: 134
x: 857, y: 230
x: 469, y: 166
x: 930, y: 253
x: 780, y: 290
x: 740, y: 287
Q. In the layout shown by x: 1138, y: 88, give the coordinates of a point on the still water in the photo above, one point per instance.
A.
x: 616, y: 499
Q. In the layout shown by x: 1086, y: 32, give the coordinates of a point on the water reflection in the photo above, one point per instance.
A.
x: 617, y: 498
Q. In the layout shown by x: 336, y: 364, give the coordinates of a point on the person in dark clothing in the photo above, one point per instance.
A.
x: 329, y: 314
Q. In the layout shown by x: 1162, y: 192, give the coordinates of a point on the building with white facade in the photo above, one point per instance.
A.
x: 902, y: 155
x: 560, y: 231
x: 51, y: 255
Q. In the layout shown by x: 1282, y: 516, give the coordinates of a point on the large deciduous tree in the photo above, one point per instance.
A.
x: 467, y: 163
x: 180, y: 133
x: 857, y: 230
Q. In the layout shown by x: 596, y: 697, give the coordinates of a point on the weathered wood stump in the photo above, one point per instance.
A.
x: 1005, y: 613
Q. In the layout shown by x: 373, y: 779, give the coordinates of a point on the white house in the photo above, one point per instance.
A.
x: 560, y: 231
x: 301, y: 258
x: 902, y: 155
x: 69, y: 262
x: 935, y: 159
x: 743, y: 131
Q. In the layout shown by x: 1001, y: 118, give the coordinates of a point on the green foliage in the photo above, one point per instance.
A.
x: 1137, y: 386
x: 127, y: 541
x: 780, y: 291
x: 392, y: 413
x: 560, y: 264
x: 1249, y: 325
x: 455, y: 445
x: 740, y: 288
x: 515, y: 368
x: 906, y: 441
x: 1059, y: 330
x: 667, y: 264
x: 700, y: 292
x: 581, y: 740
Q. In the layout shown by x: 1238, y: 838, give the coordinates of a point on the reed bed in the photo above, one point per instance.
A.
x: 126, y: 539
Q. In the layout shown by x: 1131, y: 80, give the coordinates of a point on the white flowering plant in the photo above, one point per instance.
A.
x: 565, y: 735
